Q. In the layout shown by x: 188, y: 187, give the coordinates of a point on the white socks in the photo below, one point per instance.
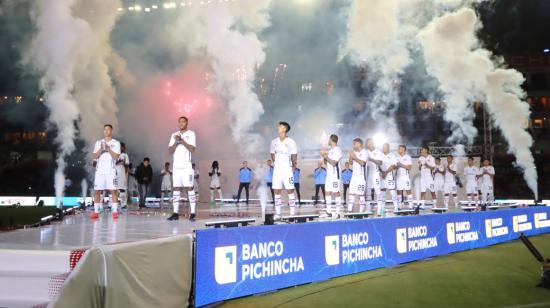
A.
x: 176, y: 201
x: 446, y: 202
x: 362, y: 203
x: 220, y: 194
x: 115, y: 207
x: 278, y: 204
x: 351, y: 203
x: 211, y: 195
x: 192, y: 200
x: 410, y: 201
x: 292, y: 203
x: 338, y: 204
x: 455, y: 199
x: 393, y: 194
x: 329, y: 204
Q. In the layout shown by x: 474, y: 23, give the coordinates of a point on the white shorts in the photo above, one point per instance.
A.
x: 388, y: 182
x: 486, y: 189
x: 166, y: 185
x: 283, y: 178
x: 374, y: 183
x: 450, y: 188
x: 357, y: 186
x: 332, y: 184
x: 122, y: 181
x: 439, y: 186
x: 183, y: 177
x: 403, y: 183
x: 105, y: 181
x: 427, y: 184
x: 471, y: 188
x: 215, y: 184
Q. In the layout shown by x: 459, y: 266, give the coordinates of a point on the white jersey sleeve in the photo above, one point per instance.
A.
x: 97, y: 146
x: 293, y: 148
x: 115, y: 147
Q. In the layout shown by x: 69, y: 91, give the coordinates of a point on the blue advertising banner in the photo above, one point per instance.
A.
x: 235, y: 262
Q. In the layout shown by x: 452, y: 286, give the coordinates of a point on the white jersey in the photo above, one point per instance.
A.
x: 374, y: 169
x: 182, y: 156
x: 388, y: 160
x: 121, y: 167
x: 449, y: 177
x: 283, y: 150
x: 106, y: 164
x: 486, y: 179
x: 358, y: 171
x: 406, y: 160
x: 471, y: 174
x: 425, y: 164
x: 333, y: 172
x: 439, y: 177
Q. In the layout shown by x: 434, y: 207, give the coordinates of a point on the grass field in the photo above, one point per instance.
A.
x: 13, y: 218
x: 503, y: 275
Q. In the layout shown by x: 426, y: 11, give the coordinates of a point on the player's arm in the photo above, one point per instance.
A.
x: 375, y: 161
x: 112, y: 152
x: 293, y: 158
x: 353, y: 157
x: 97, y: 151
x: 451, y: 170
x: 173, y: 143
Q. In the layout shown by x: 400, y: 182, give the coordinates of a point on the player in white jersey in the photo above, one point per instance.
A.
x: 122, y: 164
x: 358, y: 158
x: 182, y: 145
x: 106, y: 152
x: 487, y: 174
x: 471, y: 172
x: 439, y: 178
x: 426, y: 164
x: 389, y: 165
x: 374, y: 162
x: 284, y: 154
x: 215, y: 174
x: 450, y: 181
x: 166, y: 184
x: 403, y: 180
x: 332, y: 182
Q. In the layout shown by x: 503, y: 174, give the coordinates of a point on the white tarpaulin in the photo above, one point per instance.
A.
x: 152, y: 273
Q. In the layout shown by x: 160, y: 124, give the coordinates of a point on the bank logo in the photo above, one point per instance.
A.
x: 488, y: 228
x: 541, y: 220
x: 515, y: 223
x: 225, y: 268
x: 332, y: 249
x: 451, y: 233
x: 401, y: 240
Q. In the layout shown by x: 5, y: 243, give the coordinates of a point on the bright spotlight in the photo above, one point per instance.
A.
x: 137, y: 8
x: 154, y: 7
x: 546, y: 50
x: 379, y: 139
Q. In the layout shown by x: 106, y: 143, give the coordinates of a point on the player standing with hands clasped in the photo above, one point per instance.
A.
x: 284, y: 154
x: 182, y: 145
x: 332, y: 183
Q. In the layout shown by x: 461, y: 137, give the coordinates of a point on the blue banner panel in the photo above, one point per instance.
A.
x: 235, y: 262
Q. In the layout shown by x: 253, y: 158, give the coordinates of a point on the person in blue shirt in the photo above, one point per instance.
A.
x: 269, y: 178
x: 346, y: 178
x: 296, y: 172
x: 245, y: 177
x: 320, y: 175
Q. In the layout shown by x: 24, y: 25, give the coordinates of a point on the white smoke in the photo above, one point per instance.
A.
x: 227, y: 34
x: 467, y: 73
x: 69, y: 50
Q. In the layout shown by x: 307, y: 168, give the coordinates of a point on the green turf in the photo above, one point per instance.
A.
x: 498, y: 276
x: 13, y: 218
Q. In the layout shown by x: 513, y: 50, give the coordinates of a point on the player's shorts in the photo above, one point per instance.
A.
x: 122, y: 180
x: 427, y: 184
x: 388, y: 182
x: 166, y: 185
x: 450, y: 188
x: 183, y: 177
x: 332, y: 184
x: 374, y: 182
x: 283, y: 178
x: 105, y: 181
x: 403, y: 183
x: 215, y: 184
x: 357, y: 186
x: 439, y: 186
x: 471, y: 188
x: 486, y: 189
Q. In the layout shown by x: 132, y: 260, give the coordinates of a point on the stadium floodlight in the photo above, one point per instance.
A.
x: 137, y: 8
x: 379, y: 139
x: 154, y: 6
x: 546, y: 50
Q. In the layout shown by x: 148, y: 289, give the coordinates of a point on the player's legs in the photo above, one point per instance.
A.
x: 346, y: 186
x: 247, y: 191
x: 297, y: 189
x: 241, y: 186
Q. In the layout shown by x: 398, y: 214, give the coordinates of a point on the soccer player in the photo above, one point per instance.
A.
x: 426, y: 164
x: 106, y: 153
x: 296, y: 173
x: 245, y: 177
x: 284, y: 154
x: 166, y: 184
x: 487, y: 174
x: 320, y: 176
x: 450, y: 181
x: 374, y: 161
x: 388, y: 167
x: 439, y: 178
x: 403, y: 181
x: 471, y: 172
x: 122, y: 164
x: 215, y: 174
x: 346, y: 178
x: 358, y: 157
x: 182, y: 145
x: 332, y: 183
